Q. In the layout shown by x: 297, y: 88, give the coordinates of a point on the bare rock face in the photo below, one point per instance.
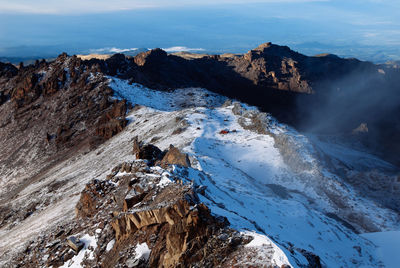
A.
x: 182, y: 226
x: 150, y: 57
x: 90, y: 198
x: 273, y: 66
x: 155, y: 156
x: 48, y: 113
x: 175, y: 157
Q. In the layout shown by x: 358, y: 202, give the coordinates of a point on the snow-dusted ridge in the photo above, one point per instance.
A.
x: 290, y: 214
x: 249, y: 182
x: 165, y: 100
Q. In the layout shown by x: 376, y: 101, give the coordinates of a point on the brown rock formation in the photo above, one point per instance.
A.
x: 53, y: 110
x: 182, y: 227
x: 175, y: 157
x: 150, y: 57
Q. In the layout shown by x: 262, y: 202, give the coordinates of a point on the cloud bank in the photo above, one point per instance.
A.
x: 182, y: 49
x: 107, y: 50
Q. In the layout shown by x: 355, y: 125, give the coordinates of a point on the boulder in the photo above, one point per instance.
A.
x: 175, y: 157
x: 146, y: 151
x: 74, y: 243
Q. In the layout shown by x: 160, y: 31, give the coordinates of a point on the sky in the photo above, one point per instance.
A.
x: 94, y: 6
x: 368, y: 29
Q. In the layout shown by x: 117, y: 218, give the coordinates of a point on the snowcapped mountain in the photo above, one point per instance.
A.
x: 237, y: 188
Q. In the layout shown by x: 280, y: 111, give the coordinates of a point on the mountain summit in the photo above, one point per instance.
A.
x: 266, y: 159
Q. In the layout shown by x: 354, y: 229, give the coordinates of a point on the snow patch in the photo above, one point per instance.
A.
x: 164, y: 100
x: 90, y: 244
x: 265, y: 246
x: 164, y: 182
x: 142, y: 251
x: 110, y: 245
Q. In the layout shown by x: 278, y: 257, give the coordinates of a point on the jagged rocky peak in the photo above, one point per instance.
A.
x: 7, y: 70
x: 269, y: 49
x: 152, y: 56
x: 327, y: 55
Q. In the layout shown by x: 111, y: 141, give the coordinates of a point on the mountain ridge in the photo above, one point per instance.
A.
x: 323, y: 94
x: 65, y: 124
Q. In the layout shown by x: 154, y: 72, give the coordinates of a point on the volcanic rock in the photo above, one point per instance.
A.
x: 8, y: 70
x: 175, y: 157
x: 51, y: 111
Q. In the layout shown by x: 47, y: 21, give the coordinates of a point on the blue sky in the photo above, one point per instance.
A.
x: 95, y: 6
x: 349, y: 28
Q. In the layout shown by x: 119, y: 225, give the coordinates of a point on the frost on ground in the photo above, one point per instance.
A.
x: 245, y: 176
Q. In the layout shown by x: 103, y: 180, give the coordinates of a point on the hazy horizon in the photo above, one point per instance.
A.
x: 369, y: 30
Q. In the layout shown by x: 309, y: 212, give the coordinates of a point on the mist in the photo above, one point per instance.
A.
x: 363, y: 105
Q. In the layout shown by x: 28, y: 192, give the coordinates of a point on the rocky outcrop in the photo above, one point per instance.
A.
x: 175, y: 157
x: 51, y: 111
x: 151, y: 57
x: 138, y: 205
x: 273, y: 66
x: 146, y: 151
x: 7, y: 70
x: 183, y: 224
x: 151, y: 153
x: 266, y: 67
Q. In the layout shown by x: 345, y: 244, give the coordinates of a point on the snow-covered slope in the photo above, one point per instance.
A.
x: 249, y: 182
x: 271, y: 184
x: 388, y: 245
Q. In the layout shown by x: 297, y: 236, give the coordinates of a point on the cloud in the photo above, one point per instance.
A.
x: 99, y: 6
x: 370, y: 35
x: 70, y: 6
x: 181, y: 49
x: 112, y: 50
